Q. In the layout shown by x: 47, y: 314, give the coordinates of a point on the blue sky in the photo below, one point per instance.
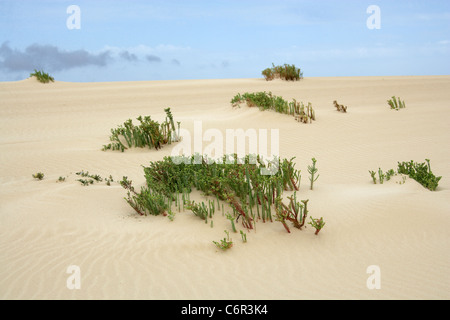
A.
x: 206, y: 39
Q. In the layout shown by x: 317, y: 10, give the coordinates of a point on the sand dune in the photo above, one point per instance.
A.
x: 60, y: 128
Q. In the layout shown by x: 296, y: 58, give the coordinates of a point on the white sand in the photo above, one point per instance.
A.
x: 59, y: 129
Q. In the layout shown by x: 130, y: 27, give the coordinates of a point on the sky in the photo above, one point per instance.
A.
x: 136, y: 40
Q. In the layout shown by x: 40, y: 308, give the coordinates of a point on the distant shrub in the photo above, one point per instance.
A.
x: 396, y: 104
x: 285, y: 72
x: 268, y: 74
x: 267, y: 101
x: 41, y: 76
x: 38, y: 176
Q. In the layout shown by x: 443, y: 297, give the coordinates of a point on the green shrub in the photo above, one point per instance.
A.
x: 268, y: 101
x: 396, y: 104
x: 41, y: 76
x: 38, y: 176
x: 146, y: 202
x: 421, y: 172
x: 148, y: 133
x: 286, y: 72
x: 238, y: 182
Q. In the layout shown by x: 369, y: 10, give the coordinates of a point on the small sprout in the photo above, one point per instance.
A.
x: 372, y: 174
x: 86, y: 182
x: 225, y: 243
x: 318, y: 224
x: 231, y: 218
x: 313, y: 170
x: 61, y: 179
x: 381, y: 175
x: 243, y: 236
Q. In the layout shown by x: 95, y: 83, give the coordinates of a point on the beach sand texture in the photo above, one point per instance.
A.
x: 60, y: 128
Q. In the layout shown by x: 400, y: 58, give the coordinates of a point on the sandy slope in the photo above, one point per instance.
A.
x: 60, y: 128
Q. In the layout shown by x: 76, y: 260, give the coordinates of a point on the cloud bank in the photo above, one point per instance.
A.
x: 37, y: 56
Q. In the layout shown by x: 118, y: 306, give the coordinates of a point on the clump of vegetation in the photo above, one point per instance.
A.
x: 295, y: 212
x: 41, y: 76
x: 396, y: 104
x: 148, y: 133
x: 268, y: 101
x: 238, y: 182
x: 109, y: 180
x: 200, y: 210
x: 61, y: 179
x: 91, y: 178
x: 340, y: 107
x: 421, y: 172
x: 38, y: 176
x: 285, y: 72
x: 146, y: 202
x: 225, y: 243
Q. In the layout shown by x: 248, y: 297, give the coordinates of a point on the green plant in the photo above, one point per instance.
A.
x: 313, y: 170
x: 148, y: 133
x: 243, y: 236
x: 41, y: 76
x: 92, y: 178
x: 318, y: 224
x: 295, y: 212
x: 268, y: 74
x: 381, y: 175
x: 389, y: 174
x: 86, y: 182
x: 286, y: 72
x: 231, y: 218
x: 239, y: 182
x: 61, y: 179
x: 225, y: 243
x: 109, y: 180
x: 421, y: 172
x: 146, y: 202
x: 200, y: 210
x: 38, y: 176
x: 372, y: 174
x: 396, y: 104
x: 268, y: 101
